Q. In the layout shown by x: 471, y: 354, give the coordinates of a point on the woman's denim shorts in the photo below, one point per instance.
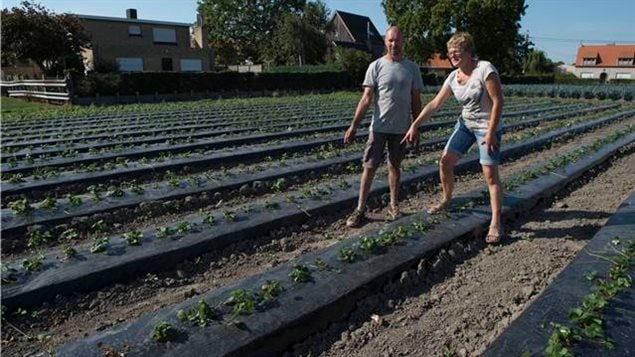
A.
x: 462, y: 139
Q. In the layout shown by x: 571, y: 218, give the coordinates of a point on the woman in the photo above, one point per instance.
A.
x: 476, y: 85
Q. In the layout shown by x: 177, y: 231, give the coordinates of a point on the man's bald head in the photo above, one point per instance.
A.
x: 393, y: 40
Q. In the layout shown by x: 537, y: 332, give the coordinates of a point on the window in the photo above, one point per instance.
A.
x: 130, y: 64
x: 623, y: 76
x: 588, y: 61
x: 624, y: 61
x: 586, y: 75
x: 134, y: 30
x: 191, y: 65
x: 164, y: 36
x: 166, y: 64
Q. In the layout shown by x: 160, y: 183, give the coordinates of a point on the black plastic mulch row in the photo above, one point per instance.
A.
x: 13, y: 224
x: 150, y: 152
x: 304, y: 309
x: 530, y: 332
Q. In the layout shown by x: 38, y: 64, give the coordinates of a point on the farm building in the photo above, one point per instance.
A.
x: 605, y: 62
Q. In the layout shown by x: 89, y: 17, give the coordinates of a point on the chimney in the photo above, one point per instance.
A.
x: 131, y: 14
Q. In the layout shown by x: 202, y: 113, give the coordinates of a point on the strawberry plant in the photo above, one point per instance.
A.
x: 95, y: 193
x: 201, y: 314
x: 272, y: 205
x: 74, y: 201
x: 163, y: 332
x: 115, y: 191
x: 136, y: 189
x: 69, y: 253
x: 183, y: 227
x: 133, y: 237
x: 209, y: 220
x: 272, y: 288
x: 241, y: 301
x: 369, y: 244
x: 100, y: 245
x: 229, y: 216
x: 38, y: 238
x: 163, y: 232
x: 21, y: 207
x: 69, y: 234
x: 346, y: 254
x: 300, y: 274
x: 34, y: 263
x: 279, y: 185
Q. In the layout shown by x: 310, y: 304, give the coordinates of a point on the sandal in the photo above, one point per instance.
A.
x: 442, y: 206
x: 494, y: 238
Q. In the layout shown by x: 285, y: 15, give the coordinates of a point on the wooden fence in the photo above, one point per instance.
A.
x: 47, y: 89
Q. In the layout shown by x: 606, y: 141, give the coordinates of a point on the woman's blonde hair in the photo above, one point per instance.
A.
x: 462, y: 39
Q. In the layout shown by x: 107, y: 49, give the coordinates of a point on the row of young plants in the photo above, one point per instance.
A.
x: 131, y: 111
x: 75, y: 159
x: 311, y: 193
x: 104, y: 143
x: 175, y: 121
x: 586, y: 322
x: 350, y: 254
x: 255, y: 114
x: 200, y: 182
x: 586, y: 316
x: 273, y: 177
x: 601, y: 92
x: 79, y: 132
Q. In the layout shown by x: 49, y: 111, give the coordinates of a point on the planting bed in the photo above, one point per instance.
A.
x: 107, y: 254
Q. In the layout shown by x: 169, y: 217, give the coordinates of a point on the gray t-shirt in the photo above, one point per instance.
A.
x: 477, y: 104
x: 393, y: 83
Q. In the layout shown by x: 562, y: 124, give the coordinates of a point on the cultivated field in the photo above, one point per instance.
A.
x: 217, y: 227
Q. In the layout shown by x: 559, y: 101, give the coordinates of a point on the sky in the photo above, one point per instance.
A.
x: 556, y: 27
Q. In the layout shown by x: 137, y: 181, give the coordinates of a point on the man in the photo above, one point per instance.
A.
x: 392, y: 84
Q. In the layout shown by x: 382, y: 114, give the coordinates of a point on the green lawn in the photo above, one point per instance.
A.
x: 21, y: 106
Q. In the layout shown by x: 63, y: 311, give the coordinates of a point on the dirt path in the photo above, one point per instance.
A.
x: 69, y: 318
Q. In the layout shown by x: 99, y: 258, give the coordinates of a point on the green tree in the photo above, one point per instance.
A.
x: 536, y: 62
x: 51, y: 41
x: 354, y: 62
x: 299, y: 38
x: 237, y: 28
x: 495, y: 24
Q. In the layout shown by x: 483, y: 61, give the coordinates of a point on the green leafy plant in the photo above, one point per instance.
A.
x: 21, y: 207
x: 279, y: 185
x: 163, y: 332
x: 38, y: 238
x: 272, y: 205
x: 70, y: 234
x: 346, y: 255
x: 241, y: 301
x: 100, y: 245
x: 69, y: 253
x: 183, y: 227
x: 163, y: 232
x: 74, y: 201
x: 209, y: 220
x: 133, y: 237
x: 229, y: 216
x: 201, y: 314
x: 369, y: 244
x: 300, y: 274
x: 34, y: 263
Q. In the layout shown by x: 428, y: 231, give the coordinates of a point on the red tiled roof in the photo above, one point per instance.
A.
x: 606, y: 55
x: 437, y: 62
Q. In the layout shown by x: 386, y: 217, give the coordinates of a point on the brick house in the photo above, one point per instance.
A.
x: 437, y: 65
x: 132, y: 44
x: 605, y: 62
x: 358, y: 32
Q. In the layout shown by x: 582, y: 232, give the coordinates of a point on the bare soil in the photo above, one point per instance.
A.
x: 461, y: 313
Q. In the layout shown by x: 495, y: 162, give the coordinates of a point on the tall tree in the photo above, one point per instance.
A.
x: 299, y: 38
x: 537, y: 62
x: 428, y: 24
x: 238, y: 27
x: 51, y: 41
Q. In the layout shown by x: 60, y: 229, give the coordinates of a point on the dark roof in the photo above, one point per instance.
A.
x: 359, y: 25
